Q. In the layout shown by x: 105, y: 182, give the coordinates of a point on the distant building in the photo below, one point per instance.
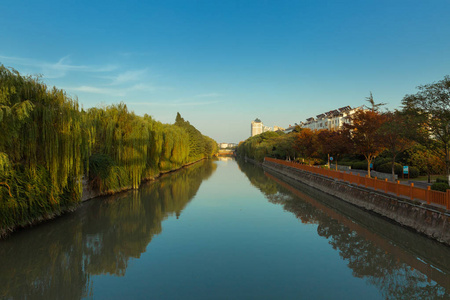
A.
x: 227, y: 145
x: 290, y: 128
x: 258, y: 127
x: 332, y: 120
x: 278, y: 128
x: 267, y: 128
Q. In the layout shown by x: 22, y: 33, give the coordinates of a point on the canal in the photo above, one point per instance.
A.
x: 222, y: 229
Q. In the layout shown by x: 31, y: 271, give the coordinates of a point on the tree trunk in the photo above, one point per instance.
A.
x: 447, y: 163
x: 393, y: 168
x: 368, y: 166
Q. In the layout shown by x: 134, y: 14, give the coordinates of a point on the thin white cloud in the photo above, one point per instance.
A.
x: 54, y: 70
x: 173, y: 103
x: 112, y: 91
x: 129, y: 76
x: 97, y: 90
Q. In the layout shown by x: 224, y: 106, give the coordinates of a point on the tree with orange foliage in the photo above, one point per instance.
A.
x: 364, y: 129
x: 334, y: 143
x: 306, y: 144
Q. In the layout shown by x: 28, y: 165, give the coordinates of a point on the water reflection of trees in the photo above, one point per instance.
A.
x: 55, y: 260
x: 382, y: 263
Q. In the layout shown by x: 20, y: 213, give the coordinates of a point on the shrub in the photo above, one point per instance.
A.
x: 440, y: 186
x: 398, y: 169
x: 414, y: 172
x: 387, y: 168
x: 441, y: 179
x: 380, y: 161
x: 346, y: 163
x: 359, y: 165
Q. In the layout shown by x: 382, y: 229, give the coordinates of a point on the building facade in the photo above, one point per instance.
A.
x: 332, y: 120
x: 256, y: 127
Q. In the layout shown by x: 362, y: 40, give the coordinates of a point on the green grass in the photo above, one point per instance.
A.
x: 422, y: 178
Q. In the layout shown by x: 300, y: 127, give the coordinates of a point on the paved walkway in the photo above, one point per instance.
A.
x: 417, y: 183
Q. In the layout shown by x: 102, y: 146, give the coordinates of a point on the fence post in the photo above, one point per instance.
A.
x: 428, y: 194
x: 385, y: 185
x: 448, y: 199
x: 398, y: 187
x: 411, y: 191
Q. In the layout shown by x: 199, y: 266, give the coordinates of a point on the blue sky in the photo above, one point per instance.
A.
x: 221, y: 64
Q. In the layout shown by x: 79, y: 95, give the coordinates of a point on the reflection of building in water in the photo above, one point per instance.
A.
x: 224, y: 158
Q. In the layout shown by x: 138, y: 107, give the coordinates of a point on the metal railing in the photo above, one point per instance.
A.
x: 410, y: 191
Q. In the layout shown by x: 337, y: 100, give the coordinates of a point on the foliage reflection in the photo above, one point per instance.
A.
x: 400, y: 263
x: 55, y: 261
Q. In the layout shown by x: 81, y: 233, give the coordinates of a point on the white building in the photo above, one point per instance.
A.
x: 332, y: 120
x: 227, y: 145
x: 258, y: 127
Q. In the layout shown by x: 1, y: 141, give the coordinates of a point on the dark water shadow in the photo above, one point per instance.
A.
x: 55, y: 260
x: 402, y: 264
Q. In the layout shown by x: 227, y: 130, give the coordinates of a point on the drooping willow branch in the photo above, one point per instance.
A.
x: 9, y: 189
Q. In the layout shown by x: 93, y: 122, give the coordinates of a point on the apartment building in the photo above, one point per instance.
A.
x: 331, y: 120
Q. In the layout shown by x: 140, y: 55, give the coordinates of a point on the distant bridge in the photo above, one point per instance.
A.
x: 226, y: 152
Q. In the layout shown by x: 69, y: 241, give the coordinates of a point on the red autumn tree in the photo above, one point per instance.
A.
x: 306, y: 144
x: 365, y: 132
x: 334, y: 143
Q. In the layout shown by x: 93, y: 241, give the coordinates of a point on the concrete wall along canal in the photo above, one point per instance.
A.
x: 399, y: 205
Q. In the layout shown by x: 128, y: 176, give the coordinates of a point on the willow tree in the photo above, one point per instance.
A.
x: 123, y: 138
x: 197, y: 142
x: 41, y: 149
x: 48, y: 144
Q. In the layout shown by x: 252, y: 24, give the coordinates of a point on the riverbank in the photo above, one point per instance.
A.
x: 87, y: 194
x: 429, y: 220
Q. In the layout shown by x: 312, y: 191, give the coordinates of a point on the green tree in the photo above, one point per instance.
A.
x: 430, y: 106
x: 396, y: 135
x: 426, y: 160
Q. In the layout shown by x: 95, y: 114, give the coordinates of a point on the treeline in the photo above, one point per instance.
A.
x: 48, y: 145
x: 417, y: 135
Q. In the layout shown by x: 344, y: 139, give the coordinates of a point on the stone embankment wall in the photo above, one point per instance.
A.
x: 432, y: 221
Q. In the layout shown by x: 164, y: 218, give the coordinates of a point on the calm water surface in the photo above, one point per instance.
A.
x: 222, y: 230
